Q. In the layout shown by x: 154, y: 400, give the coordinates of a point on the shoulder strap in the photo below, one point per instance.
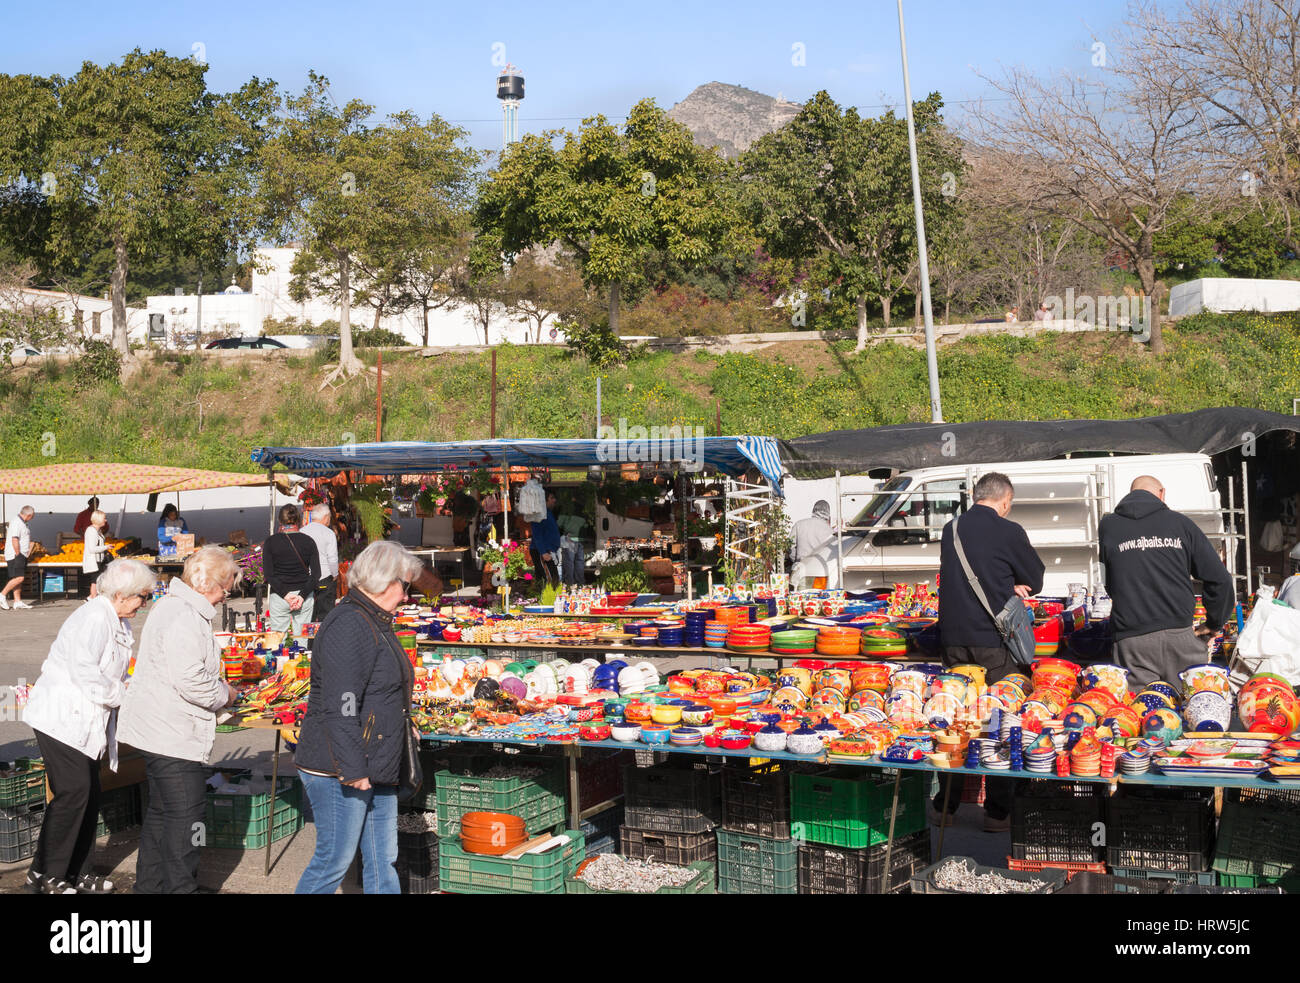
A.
x: 970, y: 574
x: 289, y: 538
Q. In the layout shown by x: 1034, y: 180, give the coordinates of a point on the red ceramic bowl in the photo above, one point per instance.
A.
x: 451, y: 634
x: 597, y: 732
x: 753, y: 726
x: 736, y: 743
x: 713, y: 740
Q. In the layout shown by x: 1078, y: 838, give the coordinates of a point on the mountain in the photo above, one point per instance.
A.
x: 731, y: 117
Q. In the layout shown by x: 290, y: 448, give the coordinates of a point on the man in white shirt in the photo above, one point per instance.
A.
x: 327, y: 547
x: 813, y: 533
x: 18, y: 543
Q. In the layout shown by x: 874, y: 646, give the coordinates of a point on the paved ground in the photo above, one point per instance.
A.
x: 25, y: 638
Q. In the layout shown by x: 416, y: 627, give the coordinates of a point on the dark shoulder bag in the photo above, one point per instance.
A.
x: 1012, y: 622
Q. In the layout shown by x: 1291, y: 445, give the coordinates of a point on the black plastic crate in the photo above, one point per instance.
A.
x: 838, y: 870
x: 692, y: 794
x: 672, y: 819
x: 1159, y: 834
x: 603, y: 825
x: 20, y: 829
x: 1060, y: 829
x: 1049, y: 788
x: 756, y: 801
x: 1258, y: 838
x: 670, y: 848
x: 1278, y: 799
x: 600, y: 775
x: 1090, y: 883
x: 417, y: 862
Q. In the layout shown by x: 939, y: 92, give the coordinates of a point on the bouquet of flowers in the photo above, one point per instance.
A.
x: 437, y: 492
x: 250, y: 565
x: 507, y: 555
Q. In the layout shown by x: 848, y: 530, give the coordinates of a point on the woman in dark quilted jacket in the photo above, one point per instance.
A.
x: 352, y: 743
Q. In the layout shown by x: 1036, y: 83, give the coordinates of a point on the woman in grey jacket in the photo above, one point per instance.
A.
x: 169, y: 714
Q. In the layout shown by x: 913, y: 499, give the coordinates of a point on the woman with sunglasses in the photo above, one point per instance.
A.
x: 170, y: 715
x: 353, y: 740
x: 73, y: 709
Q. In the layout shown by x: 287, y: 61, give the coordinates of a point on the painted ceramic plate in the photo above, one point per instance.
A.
x: 1212, y: 766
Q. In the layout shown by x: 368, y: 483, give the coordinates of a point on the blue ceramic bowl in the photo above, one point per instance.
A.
x: 670, y: 636
x: 655, y: 735
x: 644, y: 641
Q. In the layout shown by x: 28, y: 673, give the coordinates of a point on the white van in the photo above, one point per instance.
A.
x: 895, y: 537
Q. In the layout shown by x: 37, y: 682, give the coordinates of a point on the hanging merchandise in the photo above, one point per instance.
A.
x: 532, y: 501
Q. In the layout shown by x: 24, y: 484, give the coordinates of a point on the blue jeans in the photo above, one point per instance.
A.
x: 573, y: 565
x: 346, y: 817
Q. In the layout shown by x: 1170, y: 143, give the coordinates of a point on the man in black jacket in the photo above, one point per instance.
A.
x: 1005, y: 564
x: 1152, y: 554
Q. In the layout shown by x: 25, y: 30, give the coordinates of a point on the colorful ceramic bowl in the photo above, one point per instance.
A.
x: 652, y: 734
x: 626, y: 733
x: 1164, y: 724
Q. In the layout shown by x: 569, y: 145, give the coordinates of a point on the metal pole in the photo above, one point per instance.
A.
x: 379, y: 398
x: 1230, y: 537
x: 1245, y: 522
x: 198, y: 317
x: 598, y: 416
x: 839, y: 535
x: 492, y: 431
x: 931, y: 359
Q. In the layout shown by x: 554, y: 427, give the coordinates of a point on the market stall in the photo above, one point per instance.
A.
x: 57, y: 558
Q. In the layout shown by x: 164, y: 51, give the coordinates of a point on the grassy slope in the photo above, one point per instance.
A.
x: 788, y: 390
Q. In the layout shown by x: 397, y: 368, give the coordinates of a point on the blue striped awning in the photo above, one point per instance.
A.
x: 716, y: 455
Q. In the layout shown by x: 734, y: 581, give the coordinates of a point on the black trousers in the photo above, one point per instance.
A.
x: 168, y: 862
x: 324, y: 599
x: 544, y: 568
x: 68, y: 830
x: 999, y: 793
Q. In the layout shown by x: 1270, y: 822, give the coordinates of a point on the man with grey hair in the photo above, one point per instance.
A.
x: 1151, y: 555
x: 18, y: 545
x: 327, y: 551
x: 1006, y: 566
x: 813, y: 533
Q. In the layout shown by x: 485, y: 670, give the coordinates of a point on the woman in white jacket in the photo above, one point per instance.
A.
x: 73, y: 709
x: 169, y: 715
x: 94, y: 548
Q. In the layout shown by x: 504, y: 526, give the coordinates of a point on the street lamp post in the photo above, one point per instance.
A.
x: 931, y: 359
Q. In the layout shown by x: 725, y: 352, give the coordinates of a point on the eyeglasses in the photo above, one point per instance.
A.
x: 406, y: 586
x: 145, y: 596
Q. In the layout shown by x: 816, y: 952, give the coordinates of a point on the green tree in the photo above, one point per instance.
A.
x: 614, y: 199
x: 359, y: 197
x: 836, y: 185
x: 1250, y: 246
x: 1187, y: 239
x: 138, y: 156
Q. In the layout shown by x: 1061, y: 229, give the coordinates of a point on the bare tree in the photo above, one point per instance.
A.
x: 1242, y: 58
x: 1111, y: 155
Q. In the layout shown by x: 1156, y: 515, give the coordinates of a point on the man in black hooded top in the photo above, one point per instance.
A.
x: 1152, y: 554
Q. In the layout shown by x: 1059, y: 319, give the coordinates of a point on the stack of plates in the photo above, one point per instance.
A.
x: 749, y: 638
x: 1135, y: 762
x: 693, y: 636
x: 883, y: 643
x: 794, y: 641
x: 1040, y: 762
x: 990, y: 758
x: 715, y: 634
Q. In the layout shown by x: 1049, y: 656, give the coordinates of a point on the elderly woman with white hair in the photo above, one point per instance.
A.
x: 353, y: 738
x: 170, y: 715
x: 73, y: 709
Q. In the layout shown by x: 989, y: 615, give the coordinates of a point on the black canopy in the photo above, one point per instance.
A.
x: 908, y: 446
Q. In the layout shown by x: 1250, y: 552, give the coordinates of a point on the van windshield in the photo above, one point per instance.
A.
x: 880, y: 504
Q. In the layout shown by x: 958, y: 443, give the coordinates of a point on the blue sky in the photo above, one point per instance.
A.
x: 578, y: 58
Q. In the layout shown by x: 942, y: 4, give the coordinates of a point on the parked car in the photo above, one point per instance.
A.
x: 19, y: 351
x: 246, y: 343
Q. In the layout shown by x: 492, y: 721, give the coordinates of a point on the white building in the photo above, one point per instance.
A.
x: 233, y: 312
x: 1226, y: 294
x: 92, y: 317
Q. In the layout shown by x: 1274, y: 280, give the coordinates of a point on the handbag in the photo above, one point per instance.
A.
x: 1012, y: 622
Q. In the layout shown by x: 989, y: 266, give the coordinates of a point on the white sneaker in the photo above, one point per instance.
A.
x: 22, y: 606
x: 4, y: 603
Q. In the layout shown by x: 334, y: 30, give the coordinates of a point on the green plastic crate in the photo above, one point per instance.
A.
x: 756, y: 864
x: 545, y: 873
x: 843, y: 807
x: 1291, y: 885
x: 702, y: 883
x: 120, y: 809
x: 242, y: 822
x: 26, y: 785
x: 1258, y: 841
x: 538, y: 802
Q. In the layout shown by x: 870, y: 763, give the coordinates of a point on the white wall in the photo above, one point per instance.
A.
x: 1226, y: 294
x: 244, y: 314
